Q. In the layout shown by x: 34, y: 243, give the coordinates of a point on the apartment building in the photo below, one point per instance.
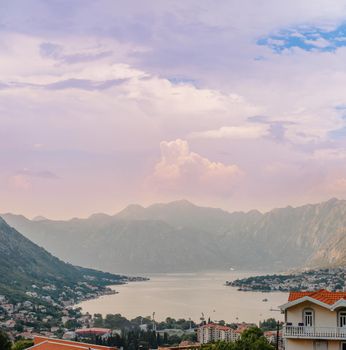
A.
x: 213, y: 332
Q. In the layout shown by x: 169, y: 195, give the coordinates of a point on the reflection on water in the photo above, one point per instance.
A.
x: 187, y: 295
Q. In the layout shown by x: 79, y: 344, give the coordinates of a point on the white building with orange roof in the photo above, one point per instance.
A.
x: 315, y: 320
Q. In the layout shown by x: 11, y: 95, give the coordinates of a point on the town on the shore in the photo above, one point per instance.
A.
x: 333, y: 279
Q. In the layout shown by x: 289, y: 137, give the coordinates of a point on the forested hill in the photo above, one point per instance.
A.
x: 23, y: 265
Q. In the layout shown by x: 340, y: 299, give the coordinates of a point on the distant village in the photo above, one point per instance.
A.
x: 44, y: 314
x: 48, y: 310
x: 332, y: 279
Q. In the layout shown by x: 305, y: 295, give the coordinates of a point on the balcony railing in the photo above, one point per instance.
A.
x: 314, y: 332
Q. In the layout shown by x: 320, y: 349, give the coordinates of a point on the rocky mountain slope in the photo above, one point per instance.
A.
x: 181, y: 236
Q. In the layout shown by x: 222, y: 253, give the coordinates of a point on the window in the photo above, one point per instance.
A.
x: 308, y: 317
x: 321, y: 345
x: 342, y: 318
x: 343, y: 346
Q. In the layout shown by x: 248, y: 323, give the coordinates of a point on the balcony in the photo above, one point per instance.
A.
x: 303, y: 332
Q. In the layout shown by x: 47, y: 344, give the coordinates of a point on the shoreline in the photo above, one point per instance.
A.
x: 110, y: 291
x: 186, y: 296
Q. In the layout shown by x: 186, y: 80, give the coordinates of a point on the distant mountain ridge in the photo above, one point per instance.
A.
x: 181, y: 236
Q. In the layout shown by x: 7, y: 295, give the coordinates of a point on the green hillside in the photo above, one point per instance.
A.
x: 23, y: 265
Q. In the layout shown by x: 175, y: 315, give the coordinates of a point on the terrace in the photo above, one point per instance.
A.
x: 304, y: 332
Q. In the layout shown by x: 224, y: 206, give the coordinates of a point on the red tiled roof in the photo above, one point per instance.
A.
x: 93, y: 330
x: 43, y: 343
x: 217, y: 326
x: 322, y: 295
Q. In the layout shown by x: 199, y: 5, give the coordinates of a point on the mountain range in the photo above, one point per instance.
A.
x: 181, y: 236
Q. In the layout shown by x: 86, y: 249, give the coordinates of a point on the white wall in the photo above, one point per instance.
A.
x: 302, y: 344
x: 323, y: 316
x: 299, y: 344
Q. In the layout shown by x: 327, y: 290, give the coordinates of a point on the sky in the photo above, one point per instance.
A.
x: 231, y: 104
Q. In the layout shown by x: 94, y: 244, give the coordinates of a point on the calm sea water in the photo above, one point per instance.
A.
x: 187, y: 295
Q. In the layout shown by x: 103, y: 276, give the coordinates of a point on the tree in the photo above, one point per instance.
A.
x: 98, y: 320
x: 220, y: 345
x: 158, y: 339
x: 174, y: 340
x: 116, y: 322
x: 165, y: 338
x: 72, y: 324
x: 19, y: 327
x: 189, y: 337
x: 268, y: 325
x: 152, y: 340
x: 22, y: 344
x: 252, y: 334
x: 5, y: 343
x: 252, y: 339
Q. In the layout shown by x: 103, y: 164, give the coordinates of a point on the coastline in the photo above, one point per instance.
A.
x: 186, y: 296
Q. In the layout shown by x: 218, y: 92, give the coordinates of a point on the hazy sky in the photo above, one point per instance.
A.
x: 236, y: 104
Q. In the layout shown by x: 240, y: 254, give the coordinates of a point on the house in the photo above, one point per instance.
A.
x: 172, y: 331
x: 44, y: 343
x: 69, y: 335
x: 10, y: 324
x: 315, y: 320
x: 212, y: 332
x: 87, y: 332
x: 274, y: 338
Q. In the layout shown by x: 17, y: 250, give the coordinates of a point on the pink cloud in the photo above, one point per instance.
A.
x: 184, y: 172
x: 20, y: 181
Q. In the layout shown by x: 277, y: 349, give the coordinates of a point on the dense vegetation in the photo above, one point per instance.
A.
x: 251, y: 339
x: 270, y: 324
x: 116, y: 321
x: 22, y: 344
x: 138, y: 339
x: 6, y: 344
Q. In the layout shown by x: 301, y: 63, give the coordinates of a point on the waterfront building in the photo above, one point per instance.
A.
x: 315, y: 321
